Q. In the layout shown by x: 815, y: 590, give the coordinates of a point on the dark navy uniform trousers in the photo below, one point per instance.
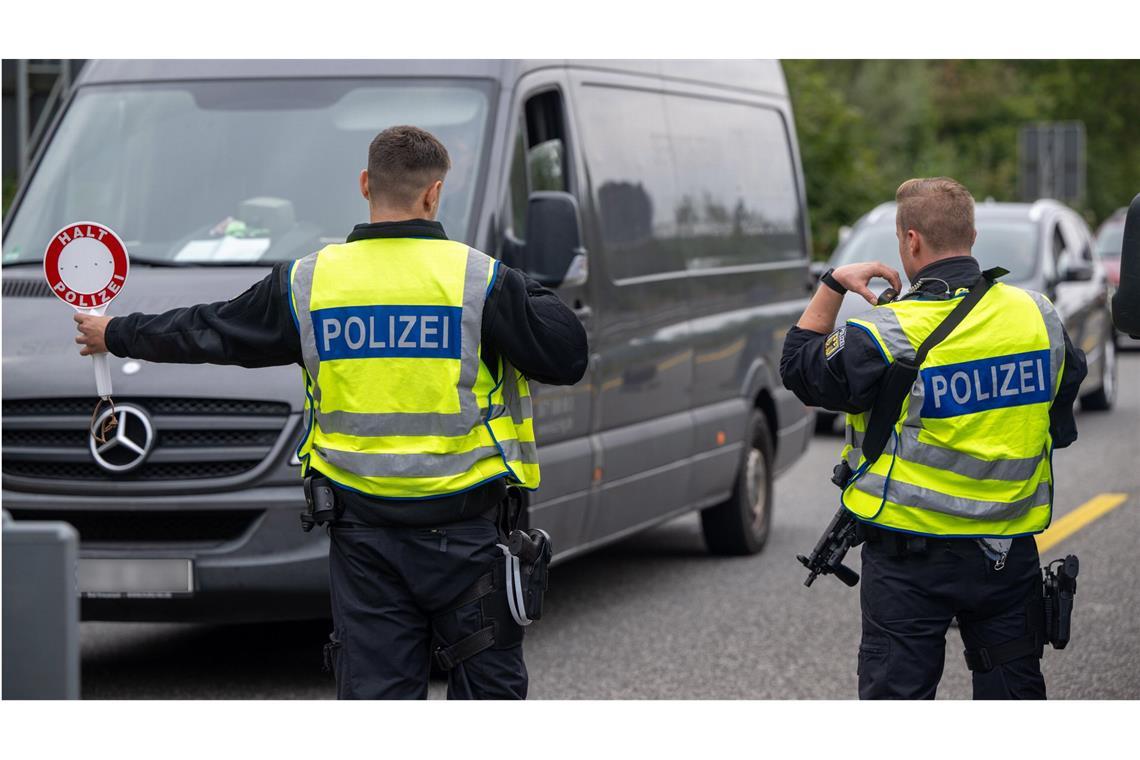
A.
x: 389, y: 586
x: 909, y: 601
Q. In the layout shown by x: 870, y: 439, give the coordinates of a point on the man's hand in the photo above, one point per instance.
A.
x: 91, y: 331
x: 856, y: 277
x: 820, y: 314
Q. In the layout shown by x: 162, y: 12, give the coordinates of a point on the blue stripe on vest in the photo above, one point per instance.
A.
x: 984, y: 384
x: 375, y: 332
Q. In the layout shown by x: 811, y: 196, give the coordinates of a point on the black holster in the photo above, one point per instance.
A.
x: 1049, y: 614
x: 1060, y: 593
x: 321, y: 505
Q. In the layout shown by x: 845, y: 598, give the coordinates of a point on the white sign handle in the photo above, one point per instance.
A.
x: 101, y: 361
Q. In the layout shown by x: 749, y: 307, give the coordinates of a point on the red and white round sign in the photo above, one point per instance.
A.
x: 86, y: 265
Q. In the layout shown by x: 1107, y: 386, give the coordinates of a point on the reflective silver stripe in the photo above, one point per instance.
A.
x: 914, y: 406
x: 366, y: 424
x: 913, y: 450
x: 474, y: 295
x: 1056, y: 336
x: 853, y: 456
x: 891, y: 332
x: 511, y: 393
x: 302, y: 297
x: 368, y: 465
x: 528, y: 452
x: 924, y: 498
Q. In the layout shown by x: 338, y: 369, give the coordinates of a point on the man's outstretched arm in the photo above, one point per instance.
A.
x: 255, y: 329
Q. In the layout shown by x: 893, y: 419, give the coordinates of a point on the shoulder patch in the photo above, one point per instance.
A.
x: 834, y: 342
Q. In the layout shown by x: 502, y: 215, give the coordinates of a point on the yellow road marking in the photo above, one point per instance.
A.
x: 1091, y: 510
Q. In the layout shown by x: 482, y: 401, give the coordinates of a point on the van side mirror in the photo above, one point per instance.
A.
x: 553, y: 252
x: 1126, y: 302
x: 1072, y: 268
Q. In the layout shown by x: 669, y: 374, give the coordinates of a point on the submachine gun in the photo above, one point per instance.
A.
x: 842, y: 533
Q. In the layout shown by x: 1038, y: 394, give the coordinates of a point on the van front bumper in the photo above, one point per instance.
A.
x: 251, y: 561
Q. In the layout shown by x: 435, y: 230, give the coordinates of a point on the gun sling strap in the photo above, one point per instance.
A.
x: 901, y: 374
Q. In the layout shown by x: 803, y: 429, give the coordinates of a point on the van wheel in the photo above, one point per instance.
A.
x: 1104, y: 397
x: 740, y: 525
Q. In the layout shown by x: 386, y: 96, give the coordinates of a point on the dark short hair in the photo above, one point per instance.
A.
x: 938, y: 208
x: 402, y: 162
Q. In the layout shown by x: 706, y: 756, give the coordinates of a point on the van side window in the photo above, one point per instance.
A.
x: 539, y: 161
x: 1058, y: 243
x: 627, y: 148
x: 739, y: 200
x: 519, y: 189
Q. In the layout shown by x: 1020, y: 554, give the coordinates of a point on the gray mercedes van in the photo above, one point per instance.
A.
x: 663, y: 201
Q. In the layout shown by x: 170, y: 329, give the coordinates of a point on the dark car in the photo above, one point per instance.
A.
x: 1046, y: 247
x: 664, y: 202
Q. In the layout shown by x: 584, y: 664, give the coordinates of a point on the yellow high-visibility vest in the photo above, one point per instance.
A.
x: 971, y: 453
x: 399, y: 403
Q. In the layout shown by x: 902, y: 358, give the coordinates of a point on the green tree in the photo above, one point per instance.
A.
x: 865, y: 126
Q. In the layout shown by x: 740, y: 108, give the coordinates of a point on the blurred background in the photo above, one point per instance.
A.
x: 866, y: 125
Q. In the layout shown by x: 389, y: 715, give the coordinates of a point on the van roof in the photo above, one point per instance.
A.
x: 764, y: 76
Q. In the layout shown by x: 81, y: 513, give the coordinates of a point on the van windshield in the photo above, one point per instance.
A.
x: 238, y: 172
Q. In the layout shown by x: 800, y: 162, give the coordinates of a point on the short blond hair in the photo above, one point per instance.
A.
x: 938, y: 208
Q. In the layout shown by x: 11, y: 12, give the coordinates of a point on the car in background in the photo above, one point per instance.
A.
x: 1046, y: 246
x: 1109, y: 239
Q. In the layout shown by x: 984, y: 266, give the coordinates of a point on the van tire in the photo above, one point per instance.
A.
x: 740, y: 525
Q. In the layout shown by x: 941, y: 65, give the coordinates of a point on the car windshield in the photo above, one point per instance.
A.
x: 1008, y: 244
x: 1110, y: 242
x: 238, y: 172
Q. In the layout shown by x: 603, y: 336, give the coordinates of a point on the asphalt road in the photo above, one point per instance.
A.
x: 656, y: 617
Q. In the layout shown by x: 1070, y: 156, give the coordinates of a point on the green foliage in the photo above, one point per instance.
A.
x: 866, y: 126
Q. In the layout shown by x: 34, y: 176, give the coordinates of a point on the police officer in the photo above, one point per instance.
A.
x: 415, y: 352
x: 948, y: 511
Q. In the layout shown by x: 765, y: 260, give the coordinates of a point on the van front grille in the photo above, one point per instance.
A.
x: 19, y: 287
x: 46, y: 442
x: 156, y: 406
x: 149, y: 471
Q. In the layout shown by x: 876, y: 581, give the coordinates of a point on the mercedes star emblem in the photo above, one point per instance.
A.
x: 132, y: 441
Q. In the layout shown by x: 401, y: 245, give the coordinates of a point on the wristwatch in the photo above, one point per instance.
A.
x: 832, y: 283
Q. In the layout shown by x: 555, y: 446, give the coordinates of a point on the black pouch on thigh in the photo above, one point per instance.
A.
x: 478, y: 620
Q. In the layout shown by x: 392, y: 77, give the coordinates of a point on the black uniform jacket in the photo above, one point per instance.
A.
x: 522, y: 321
x: 848, y: 380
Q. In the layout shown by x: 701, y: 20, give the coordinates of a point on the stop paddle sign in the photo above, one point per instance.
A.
x: 86, y: 266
